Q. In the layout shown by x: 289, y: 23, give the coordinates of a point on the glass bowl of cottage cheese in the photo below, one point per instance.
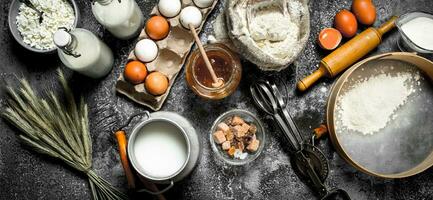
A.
x: 36, y: 35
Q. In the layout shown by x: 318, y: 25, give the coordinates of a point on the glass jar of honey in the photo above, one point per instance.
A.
x: 226, y: 65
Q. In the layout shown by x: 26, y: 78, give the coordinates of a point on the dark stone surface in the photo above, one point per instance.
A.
x: 27, y: 175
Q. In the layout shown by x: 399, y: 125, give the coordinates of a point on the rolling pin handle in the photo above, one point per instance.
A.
x: 387, y: 26
x: 305, y: 83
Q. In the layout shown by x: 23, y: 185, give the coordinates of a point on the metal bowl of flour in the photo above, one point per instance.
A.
x: 404, y: 145
x: 12, y: 19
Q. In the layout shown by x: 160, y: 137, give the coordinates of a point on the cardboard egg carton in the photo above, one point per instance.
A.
x: 173, y: 52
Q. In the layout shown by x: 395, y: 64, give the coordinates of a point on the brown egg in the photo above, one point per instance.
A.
x: 346, y: 23
x: 156, y: 83
x: 157, y: 27
x: 135, y: 72
x: 365, y: 11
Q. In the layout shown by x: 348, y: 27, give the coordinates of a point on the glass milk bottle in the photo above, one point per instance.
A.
x: 81, y: 51
x: 123, y: 18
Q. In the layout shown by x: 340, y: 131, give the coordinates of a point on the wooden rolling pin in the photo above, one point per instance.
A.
x: 347, y: 54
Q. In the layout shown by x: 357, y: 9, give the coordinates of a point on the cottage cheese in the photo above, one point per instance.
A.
x: 57, y: 13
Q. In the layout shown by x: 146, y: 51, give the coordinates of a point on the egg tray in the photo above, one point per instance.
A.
x: 173, y: 52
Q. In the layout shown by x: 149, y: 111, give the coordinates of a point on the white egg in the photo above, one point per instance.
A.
x: 146, y: 50
x: 190, y: 15
x: 203, y: 3
x: 169, y: 8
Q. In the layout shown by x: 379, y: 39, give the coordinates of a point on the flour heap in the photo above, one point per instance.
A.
x: 372, y: 102
x: 274, y: 32
x: 270, y: 34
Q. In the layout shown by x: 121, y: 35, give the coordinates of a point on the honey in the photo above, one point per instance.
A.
x: 226, y: 65
x: 221, y: 63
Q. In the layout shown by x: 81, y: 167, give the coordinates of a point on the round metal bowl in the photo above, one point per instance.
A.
x: 12, y: 18
x: 138, y: 130
x: 405, y: 146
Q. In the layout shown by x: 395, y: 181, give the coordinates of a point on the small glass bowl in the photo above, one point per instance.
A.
x: 404, y: 43
x: 249, y: 118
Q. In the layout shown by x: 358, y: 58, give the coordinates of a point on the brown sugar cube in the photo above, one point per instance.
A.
x: 219, y: 137
x: 245, y: 128
x: 223, y: 127
x: 237, y: 121
x: 226, y: 145
x: 231, y: 151
x: 230, y: 135
x: 240, y: 145
x: 238, y: 131
x: 253, y: 129
x: 253, y: 146
x: 249, y: 138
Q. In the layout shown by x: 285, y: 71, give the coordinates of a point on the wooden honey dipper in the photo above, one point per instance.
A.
x: 217, y: 82
x: 347, y: 54
x: 191, y: 17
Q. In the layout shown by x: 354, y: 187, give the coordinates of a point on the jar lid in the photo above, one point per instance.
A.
x: 65, y: 42
x: 62, y: 38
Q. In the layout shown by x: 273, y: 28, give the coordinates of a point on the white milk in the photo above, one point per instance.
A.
x: 420, y: 31
x: 124, y: 20
x: 160, y: 149
x: 95, y: 60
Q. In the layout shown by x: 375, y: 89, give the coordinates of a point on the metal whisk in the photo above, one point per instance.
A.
x: 308, y: 161
x: 269, y: 99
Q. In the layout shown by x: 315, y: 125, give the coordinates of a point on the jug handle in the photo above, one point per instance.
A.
x: 122, y: 143
x: 159, y: 192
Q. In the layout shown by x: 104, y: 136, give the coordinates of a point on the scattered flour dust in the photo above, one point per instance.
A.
x: 252, y: 181
x: 371, y: 103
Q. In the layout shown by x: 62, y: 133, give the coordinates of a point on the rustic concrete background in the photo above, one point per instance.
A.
x: 27, y: 175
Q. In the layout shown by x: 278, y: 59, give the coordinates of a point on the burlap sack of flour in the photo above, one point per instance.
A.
x: 269, y: 33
